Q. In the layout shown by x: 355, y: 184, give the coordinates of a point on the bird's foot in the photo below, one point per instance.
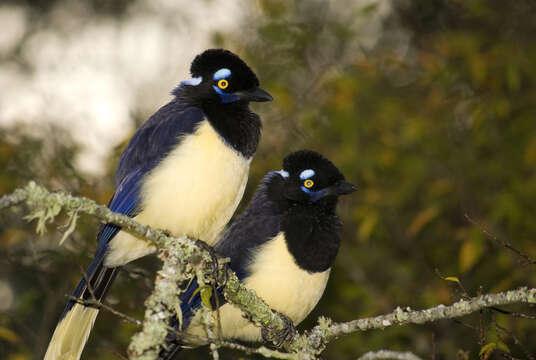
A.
x: 214, y: 263
x: 281, y: 336
x: 213, y: 255
x: 224, y: 275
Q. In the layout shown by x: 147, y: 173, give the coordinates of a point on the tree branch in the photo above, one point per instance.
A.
x: 388, y: 354
x: 314, y: 341
x: 184, y: 258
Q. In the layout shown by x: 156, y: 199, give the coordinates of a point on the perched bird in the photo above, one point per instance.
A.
x: 282, y: 246
x: 183, y: 171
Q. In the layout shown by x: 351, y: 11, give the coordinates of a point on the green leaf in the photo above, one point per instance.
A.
x: 206, y: 294
x: 196, y: 291
x: 8, y: 335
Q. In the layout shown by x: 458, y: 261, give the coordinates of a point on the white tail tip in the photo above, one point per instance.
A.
x: 71, y: 334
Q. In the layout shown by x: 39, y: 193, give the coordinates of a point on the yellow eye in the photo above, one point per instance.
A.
x: 308, y: 183
x: 222, y: 84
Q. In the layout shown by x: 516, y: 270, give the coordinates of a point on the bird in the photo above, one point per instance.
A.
x: 183, y: 171
x: 282, y: 246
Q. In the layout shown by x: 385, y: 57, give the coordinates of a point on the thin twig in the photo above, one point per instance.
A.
x: 527, y: 260
x: 516, y: 340
x: 89, y: 287
x: 513, y: 314
x: 99, y: 305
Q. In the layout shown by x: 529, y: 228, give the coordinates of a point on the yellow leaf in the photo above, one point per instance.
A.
x: 486, y: 349
x: 503, y: 347
x: 8, y: 335
x: 422, y: 218
x: 367, y: 226
x: 206, y: 294
x: 453, y: 279
x: 196, y: 291
x: 470, y: 253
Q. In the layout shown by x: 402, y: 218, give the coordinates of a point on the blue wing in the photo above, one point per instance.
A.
x: 152, y: 142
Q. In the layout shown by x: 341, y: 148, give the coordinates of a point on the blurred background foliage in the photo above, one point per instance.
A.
x: 427, y: 105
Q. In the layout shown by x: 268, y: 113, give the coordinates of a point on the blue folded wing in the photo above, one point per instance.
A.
x: 124, y: 201
x: 149, y: 145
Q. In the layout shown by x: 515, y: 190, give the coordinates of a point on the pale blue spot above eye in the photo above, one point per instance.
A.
x: 222, y: 74
x: 306, y: 174
x: 193, y: 81
x: 283, y: 173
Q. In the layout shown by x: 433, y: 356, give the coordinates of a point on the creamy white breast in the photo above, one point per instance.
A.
x: 194, y: 191
x: 280, y: 283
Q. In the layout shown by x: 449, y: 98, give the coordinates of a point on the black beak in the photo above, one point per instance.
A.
x: 340, y: 188
x: 255, y: 94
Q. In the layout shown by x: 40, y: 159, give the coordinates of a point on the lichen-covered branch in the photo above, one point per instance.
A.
x: 389, y: 355
x: 181, y: 257
x: 163, y: 303
x: 45, y: 205
x: 184, y: 258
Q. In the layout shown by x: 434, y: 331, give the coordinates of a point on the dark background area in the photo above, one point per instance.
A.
x: 431, y: 112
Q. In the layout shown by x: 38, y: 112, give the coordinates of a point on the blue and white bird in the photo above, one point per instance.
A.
x: 183, y: 171
x: 282, y: 246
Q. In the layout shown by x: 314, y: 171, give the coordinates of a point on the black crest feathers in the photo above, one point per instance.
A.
x: 210, y: 61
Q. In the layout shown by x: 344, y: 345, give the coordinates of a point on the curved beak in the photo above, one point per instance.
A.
x: 255, y: 94
x: 340, y: 188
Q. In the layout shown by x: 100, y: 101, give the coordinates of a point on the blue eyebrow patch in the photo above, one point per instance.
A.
x: 222, y: 74
x: 306, y: 174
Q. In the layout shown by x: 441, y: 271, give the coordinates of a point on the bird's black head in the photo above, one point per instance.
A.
x: 309, y: 178
x: 219, y: 76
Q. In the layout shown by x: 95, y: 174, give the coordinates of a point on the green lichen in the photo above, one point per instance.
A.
x: 401, y: 315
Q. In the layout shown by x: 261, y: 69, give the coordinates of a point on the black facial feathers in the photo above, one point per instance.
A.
x: 308, y: 218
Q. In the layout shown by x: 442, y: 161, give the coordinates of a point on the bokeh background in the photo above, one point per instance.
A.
x: 428, y: 105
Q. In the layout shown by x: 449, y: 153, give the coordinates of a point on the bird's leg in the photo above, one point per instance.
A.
x: 285, y: 334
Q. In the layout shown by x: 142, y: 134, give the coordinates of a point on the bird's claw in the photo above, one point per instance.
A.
x: 213, y: 255
x: 225, y: 276
x: 281, y: 336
